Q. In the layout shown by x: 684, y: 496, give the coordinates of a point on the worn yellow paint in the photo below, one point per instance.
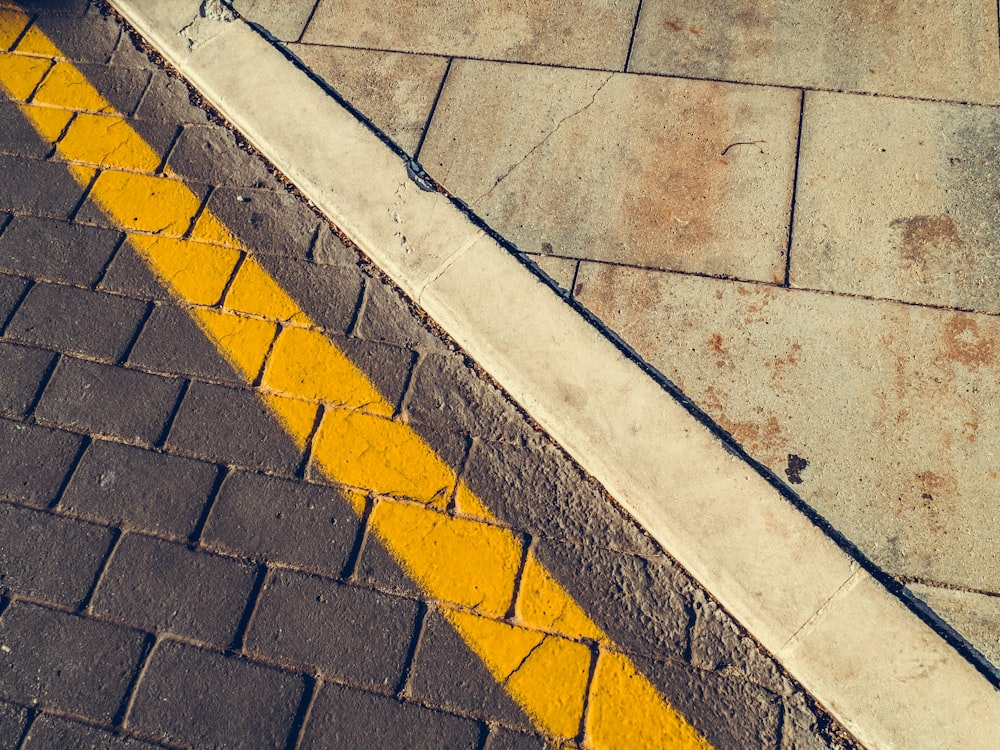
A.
x: 34, y: 42
x: 468, y: 504
x: 453, y: 559
x: 107, y: 140
x: 649, y: 722
x: 83, y: 174
x: 12, y: 23
x: 546, y: 674
x: 155, y: 204
x: 20, y: 75
x: 194, y: 271
x: 244, y: 341
x: 387, y: 457
x: 541, y: 603
x: 357, y: 500
x: 254, y: 291
x: 210, y: 229
x: 65, y: 86
x: 464, y: 559
x: 296, y: 415
x: 49, y: 121
x: 307, y: 363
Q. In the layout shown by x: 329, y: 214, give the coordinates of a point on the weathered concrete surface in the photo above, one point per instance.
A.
x: 394, y: 90
x: 933, y: 49
x: 551, y: 159
x: 285, y: 19
x: 975, y: 615
x: 899, y: 199
x: 882, y: 416
x: 546, y: 32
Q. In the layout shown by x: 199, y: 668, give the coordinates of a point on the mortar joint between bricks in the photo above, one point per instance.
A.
x: 116, y: 536
x: 239, y: 638
x: 361, y: 540
x: 85, y: 196
x: 403, y: 688
x: 527, y: 548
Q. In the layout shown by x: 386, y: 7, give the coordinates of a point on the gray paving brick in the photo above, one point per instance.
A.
x: 211, y: 154
x: 387, y: 366
x: 56, y: 250
x: 506, y: 739
x: 34, y: 461
x: 160, y: 136
x: 342, y: 717
x: 77, y: 320
x: 330, y: 250
x: 198, y: 697
x: 642, y: 603
x: 49, y: 557
x: 54, y: 733
x: 270, y: 222
x: 140, y: 489
x: 375, y: 567
x: 284, y: 521
x: 164, y: 586
x: 168, y: 100
x: 13, y: 720
x: 37, y: 187
x: 448, y: 674
x: 717, y: 643
x: 22, y: 370
x: 232, y: 425
x: 171, y: 342
x: 446, y: 394
x: 11, y: 291
x: 128, y: 274
x: 803, y: 729
x: 536, y: 488
x: 88, y: 396
x: 17, y: 136
x: 351, y: 633
x: 74, y: 664
x: 385, y: 317
x: 329, y: 294
x: 707, y: 700
x: 121, y: 87
x: 88, y: 40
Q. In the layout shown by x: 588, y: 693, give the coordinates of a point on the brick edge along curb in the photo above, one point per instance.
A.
x: 891, y: 679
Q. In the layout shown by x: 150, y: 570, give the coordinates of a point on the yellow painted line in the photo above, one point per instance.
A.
x: 544, y: 653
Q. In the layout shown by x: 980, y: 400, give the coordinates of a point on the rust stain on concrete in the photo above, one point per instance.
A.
x: 931, y: 499
x: 966, y: 344
x: 675, y: 197
x: 924, y: 238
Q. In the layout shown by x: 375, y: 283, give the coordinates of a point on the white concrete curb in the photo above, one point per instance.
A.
x: 879, y: 669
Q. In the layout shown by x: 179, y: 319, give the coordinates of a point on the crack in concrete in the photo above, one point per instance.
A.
x: 524, y: 660
x: 544, y: 140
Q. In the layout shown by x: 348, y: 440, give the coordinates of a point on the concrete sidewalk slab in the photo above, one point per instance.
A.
x: 891, y: 383
x: 622, y: 168
x: 928, y: 49
x: 461, y: 268
x: 898, y: 199
x: 550, y: 33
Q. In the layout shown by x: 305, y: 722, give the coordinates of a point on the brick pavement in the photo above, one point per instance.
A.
x: 177, y: 570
